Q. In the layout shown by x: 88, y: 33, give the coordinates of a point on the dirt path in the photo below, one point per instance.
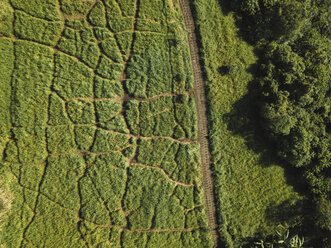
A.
x: 200, y: 98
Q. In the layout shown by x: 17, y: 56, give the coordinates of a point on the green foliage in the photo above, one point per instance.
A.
x: 104, y: 237
x: 180, y: 60
x: 107, y: 89
x: 187, y: 161
x: 180, y: 161
x: 109, y: 69
x: 127, y: 7
x: 6, y: 67
x: 60, y: 179
x: 195, y: 239
x: 72, y: 78
x: 79, y: 44
x: 107, y: 109
x: 154, y: 118
x: 165, y: 116
x: 185, y: 115
x: 57, y: 112
x: 151, y: 67
x: 118, y: 218
x: 323, y: 217
x: 290, y: 92
x: 102, y: 33
x: 110, y: 48
x: 35, y: 29
x: 94, y: 209
x: 185, y: 195
x: 6, y: 18
x: 124, y: 41
x: 10, y: 153
x: 150, y: 204
x: 120, y: 25
x: 116, y: 21
x: 294, y: 89
x: 99, y: 205
x: 97, y: 15
x: 43, y: 9
x: 30, y: 84
x: 109, y: 142
x: 31, y: 144
x: 283, y: 240
x: 103, y: 175
x: 129, y: 152
x: 247, y: 184
x: 161, y: 145
x: 76, y: 23
x: 81, y: 111
x: 197, y: 218
x: 116, y: 124
x: 43, y: 233
x: 274, y: 19
x: 60, y: 139
x: 149, y: 9
x: 75, y: 7
x: 30, y: 177
x: 84, y: 137
x: 143, y: 25
x: 115, y: 159
x: 79, y: 174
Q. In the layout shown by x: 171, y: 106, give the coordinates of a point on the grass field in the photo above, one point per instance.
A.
x: 98, y: 129
x: 250, y: 189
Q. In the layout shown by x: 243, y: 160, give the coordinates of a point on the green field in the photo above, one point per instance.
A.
x: 98, y: 126
x: 99, y: 134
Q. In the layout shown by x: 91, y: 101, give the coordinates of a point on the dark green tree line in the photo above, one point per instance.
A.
x: 291, y: 90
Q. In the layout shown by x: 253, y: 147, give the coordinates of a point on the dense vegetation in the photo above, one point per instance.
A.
x: 98, y: 132
x: 293, y: 87
x: 288, y: 101
x: 250, y: 188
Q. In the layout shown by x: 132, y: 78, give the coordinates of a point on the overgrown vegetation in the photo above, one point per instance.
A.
x: 282, y: 239
x: 98, y: 129
x: 287, y: 103
x: 293, y: 88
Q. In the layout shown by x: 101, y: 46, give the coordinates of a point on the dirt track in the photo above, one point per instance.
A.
x: 200, y: 98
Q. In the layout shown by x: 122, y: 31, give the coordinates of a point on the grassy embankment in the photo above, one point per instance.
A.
x: 249, y: 188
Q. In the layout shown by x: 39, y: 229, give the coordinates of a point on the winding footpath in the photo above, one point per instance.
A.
x: 200, y: 98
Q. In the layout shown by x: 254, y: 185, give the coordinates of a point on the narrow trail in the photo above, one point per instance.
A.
x: 200, y: 98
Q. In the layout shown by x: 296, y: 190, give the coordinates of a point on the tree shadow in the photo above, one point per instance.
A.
x: 288, y: 212
x: 241, y: 21
x: 243, y: 121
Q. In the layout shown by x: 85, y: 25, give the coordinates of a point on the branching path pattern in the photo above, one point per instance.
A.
x: 99, y: 132
x: 202, y: 119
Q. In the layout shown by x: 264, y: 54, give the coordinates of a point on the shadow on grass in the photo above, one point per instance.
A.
x: 243, y: 121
